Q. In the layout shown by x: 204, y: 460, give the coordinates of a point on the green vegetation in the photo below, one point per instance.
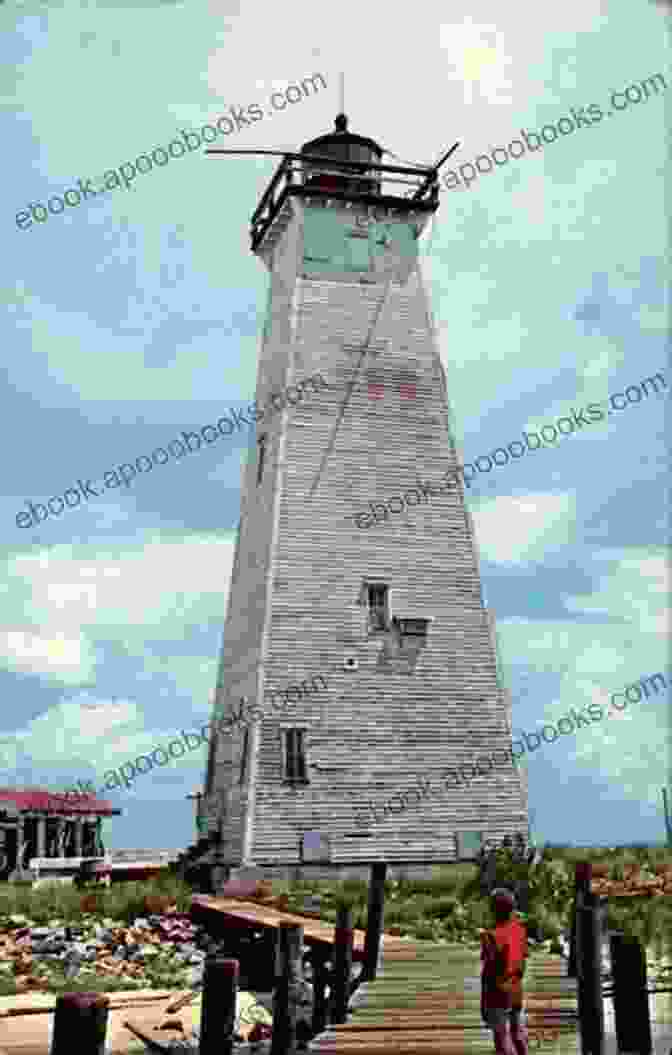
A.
x: 89, y: 982
x: 121, y: 901
x: 59, y: 904
x: 447, y: 907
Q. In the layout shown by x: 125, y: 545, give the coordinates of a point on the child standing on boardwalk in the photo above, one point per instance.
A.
x: 503, y: 952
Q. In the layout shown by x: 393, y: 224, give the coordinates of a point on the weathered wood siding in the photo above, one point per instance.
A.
x: 296, y: 602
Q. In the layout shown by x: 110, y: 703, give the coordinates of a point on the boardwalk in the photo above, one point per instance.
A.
x: 255, y: 916
x: 426, y: 997
x: 426, y: 1000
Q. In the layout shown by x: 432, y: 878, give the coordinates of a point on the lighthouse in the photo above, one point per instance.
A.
x: 359, y: 657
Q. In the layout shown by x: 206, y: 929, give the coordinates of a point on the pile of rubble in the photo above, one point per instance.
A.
x: 635, y: 883
x: 253, y: 1026
x: 164, y: 950
x: 157, y: 951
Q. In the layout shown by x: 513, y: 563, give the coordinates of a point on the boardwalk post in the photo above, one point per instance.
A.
x: 631, y: 1001
x: 583, y: 874
x: 288, y: 980
x: 80, y: 1021
x: 522, y: 892
x: 589, y: 963
x: 342, y: 970
x: 374, y: 920
x: 218, y: 1015
x: 321, y: 954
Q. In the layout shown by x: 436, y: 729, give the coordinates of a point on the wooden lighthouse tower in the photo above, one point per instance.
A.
x: 331, y: 580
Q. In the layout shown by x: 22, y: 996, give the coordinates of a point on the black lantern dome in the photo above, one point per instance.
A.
x: 342, y: 146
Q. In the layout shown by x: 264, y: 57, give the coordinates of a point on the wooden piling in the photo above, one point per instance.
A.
x: 522, y: 892
x: 489, y: 873
x: 589, y: 966
x: 218, y: 1014
x: 631, y: 1001
x: 287, y: 988
x: 321, y: 977
x: 573, y: 961
x: 583, y: 874
x: 342, y: 960
x: 374, y: 920
x: 80, y: 1023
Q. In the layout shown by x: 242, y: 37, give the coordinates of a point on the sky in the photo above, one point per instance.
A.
x: 138, y: 313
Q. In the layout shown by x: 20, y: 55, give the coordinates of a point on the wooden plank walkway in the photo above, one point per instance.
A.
x: 426, y: 1001
x: 257, y: 916
x: 426, y: 997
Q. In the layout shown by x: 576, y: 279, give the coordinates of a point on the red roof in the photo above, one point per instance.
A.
x: 37, y: 799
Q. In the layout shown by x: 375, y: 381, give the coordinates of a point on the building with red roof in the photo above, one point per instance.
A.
x: 35, y: 823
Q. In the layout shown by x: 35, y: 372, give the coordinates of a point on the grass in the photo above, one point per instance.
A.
x: 120, y: 901
x: 88, y: 983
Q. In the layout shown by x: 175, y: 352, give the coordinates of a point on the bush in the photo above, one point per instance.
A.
x: 444, y: 907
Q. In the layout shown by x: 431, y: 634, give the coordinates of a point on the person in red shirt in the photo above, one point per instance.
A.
x: 503, y: 952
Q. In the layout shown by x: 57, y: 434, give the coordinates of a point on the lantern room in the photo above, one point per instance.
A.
x: 345, y: 170
x: 342, y: 146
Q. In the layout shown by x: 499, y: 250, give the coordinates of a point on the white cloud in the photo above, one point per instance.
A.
x: 523, y: 530
x: 86, y: 729
x: 477, y: 57
x: 134, y: 586
x: 623, y: 637
x: 635, y: 587
x: 158, y: 587
x: 70, y: 659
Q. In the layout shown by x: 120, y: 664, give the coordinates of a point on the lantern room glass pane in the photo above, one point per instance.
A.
x: 323, y: 241
x: 359, y: 258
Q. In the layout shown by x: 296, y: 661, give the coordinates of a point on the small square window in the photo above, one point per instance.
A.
x: 296, y: 770
x: 378, y: 596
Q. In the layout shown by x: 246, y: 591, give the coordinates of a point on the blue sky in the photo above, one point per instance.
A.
x: 139, y: 313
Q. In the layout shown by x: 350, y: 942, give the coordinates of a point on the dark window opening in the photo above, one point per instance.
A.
x: 244, y: 756
x: 212, y: 755
x: 261, y: 455
x: 295, y: 756
x: 378, y: 596
x: 413, y: 627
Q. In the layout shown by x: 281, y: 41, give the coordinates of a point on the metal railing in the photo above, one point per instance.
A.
x: 360, y: 181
